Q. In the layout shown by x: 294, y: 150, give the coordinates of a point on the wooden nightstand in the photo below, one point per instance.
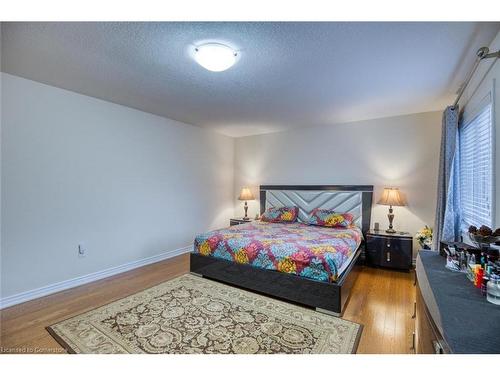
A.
x: 389, y: 250
x: 238, y: 221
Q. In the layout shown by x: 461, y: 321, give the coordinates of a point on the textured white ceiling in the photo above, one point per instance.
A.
x: 288, y: 74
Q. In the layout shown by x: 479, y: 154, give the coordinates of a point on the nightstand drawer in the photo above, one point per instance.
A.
x: 373, y: 253
x: 389, y: 251
x: 397, y: 253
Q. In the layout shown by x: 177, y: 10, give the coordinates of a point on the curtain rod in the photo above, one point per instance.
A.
x: 482, y: 53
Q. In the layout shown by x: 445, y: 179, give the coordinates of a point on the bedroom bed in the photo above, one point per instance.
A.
x: 310, y: 265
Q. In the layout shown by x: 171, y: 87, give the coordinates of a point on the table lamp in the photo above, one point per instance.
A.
x: 391, y: 197
x: 246, y: 195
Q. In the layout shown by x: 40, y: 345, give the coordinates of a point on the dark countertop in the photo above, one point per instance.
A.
x: 467, y: 321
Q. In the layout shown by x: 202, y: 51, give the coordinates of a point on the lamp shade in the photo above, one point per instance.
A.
x: 391, y: 197
x: 246, y: 195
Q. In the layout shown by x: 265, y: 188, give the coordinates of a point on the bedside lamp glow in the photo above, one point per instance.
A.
x: 391, y: 197
x: 246, y: 195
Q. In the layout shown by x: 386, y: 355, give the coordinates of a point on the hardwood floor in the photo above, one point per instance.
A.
x: 381, y: 300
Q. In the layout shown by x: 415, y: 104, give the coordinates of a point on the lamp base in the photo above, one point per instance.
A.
x: 246, y: 218
x: 390, y: 216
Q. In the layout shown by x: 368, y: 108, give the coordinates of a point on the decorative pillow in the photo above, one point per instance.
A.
x: 330, y: 218
x: 280, y: 214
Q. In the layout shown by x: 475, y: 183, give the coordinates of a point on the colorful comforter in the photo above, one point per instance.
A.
x: 309, y: 251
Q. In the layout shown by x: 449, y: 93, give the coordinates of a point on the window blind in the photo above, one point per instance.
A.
x: 475, y: 164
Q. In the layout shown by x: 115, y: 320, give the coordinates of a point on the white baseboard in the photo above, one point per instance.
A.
x: 77, y: 281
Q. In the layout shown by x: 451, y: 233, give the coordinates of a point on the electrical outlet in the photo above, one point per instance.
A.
x: 82, y: 250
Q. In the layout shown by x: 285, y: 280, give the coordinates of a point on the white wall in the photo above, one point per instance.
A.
x: 486, y: 79
x: 398, y: 151
x: 127, y: 183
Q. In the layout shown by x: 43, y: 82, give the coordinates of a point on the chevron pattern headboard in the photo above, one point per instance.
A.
x: 355, y: 199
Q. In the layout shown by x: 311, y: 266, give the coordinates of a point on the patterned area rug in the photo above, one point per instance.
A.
x: 194, y: 315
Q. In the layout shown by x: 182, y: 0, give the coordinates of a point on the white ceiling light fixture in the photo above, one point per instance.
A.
x: 215, y: 57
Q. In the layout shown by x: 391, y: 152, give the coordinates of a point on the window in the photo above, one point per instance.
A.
x: 475, y: 164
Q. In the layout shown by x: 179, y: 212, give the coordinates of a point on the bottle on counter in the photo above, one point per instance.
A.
x: 471, y: 267
x: 463, y: 261
x: 479, y: 277
x: 493, y: 290
x: 484, y: 285
x: 471, y: 260
x: 488, y: 270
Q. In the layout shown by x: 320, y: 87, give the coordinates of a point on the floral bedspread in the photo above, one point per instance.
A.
x: 306, y: 250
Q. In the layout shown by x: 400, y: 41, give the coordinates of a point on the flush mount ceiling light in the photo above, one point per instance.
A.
x: 215, y: 57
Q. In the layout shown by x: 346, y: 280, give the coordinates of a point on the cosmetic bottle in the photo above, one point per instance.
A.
x: 479, y: 277
x: 484, y: 285
x: 493, y: 290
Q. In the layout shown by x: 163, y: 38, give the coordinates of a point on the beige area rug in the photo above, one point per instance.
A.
x: 190, y: 314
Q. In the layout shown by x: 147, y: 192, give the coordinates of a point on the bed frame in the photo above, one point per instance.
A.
x: 323, y: 296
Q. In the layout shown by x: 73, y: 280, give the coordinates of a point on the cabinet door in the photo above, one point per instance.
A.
x: 396, y: 253
x: 428, y: 340
x: 373, y: 251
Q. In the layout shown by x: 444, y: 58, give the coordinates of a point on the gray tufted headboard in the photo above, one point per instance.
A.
x: 355, y: 199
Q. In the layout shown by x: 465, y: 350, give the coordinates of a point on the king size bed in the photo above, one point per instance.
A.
x: 312, y: 265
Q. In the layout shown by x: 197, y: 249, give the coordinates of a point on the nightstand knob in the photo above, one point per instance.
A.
x: 388, y: 244
x: 388, y: 256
